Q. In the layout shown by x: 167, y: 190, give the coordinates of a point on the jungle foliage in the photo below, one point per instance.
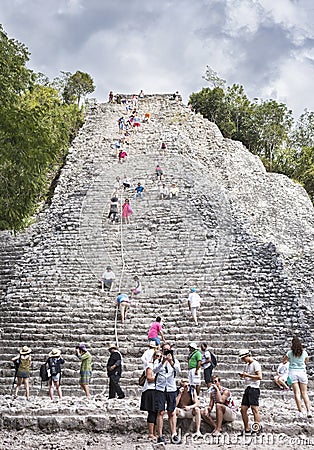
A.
x: 265, y: 127
x: 37, y: 124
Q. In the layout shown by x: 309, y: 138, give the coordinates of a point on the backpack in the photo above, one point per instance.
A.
x: 213, y: 360
x: 43, y: 372
x: 53, y: 366
x: 17, y: 364
x: 163, y: 145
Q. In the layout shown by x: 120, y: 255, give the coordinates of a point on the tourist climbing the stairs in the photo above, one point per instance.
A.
x: 194, y: 303
x: 113, y: 209
x: 116, y: 185
x: 158, y: 172
x: 139, y: 190
x: 126, y: 211
x: 123, y: 156
x: 121, y: 124
x: 86, y: 367
x: 23, y: 363
x: 155, y: 330
x: 163, y: 149
x: 123, y: 303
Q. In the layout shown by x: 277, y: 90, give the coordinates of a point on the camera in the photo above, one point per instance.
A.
x: 168, y: 352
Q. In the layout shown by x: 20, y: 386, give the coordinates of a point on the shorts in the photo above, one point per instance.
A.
x: 156, y: 339
x: 298, y: 376
x: 55, y: 377
x: 161, y: 398
x: 251, y: 396
x: 183, y: 414
x: 85, y: 376
x: 208, y: 374
x: 22, y: 374
x: 194, y: 380
x: 229, y: 415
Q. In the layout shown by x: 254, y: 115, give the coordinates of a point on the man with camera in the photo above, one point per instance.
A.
x: 166, y: 368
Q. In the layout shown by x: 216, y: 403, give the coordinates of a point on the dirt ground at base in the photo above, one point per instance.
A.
x: 29, y: 440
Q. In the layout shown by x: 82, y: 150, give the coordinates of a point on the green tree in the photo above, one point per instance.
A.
x: 77, y: 86
x: 35, y: 130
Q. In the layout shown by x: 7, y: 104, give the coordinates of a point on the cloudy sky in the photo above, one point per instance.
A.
x: 165, y: 45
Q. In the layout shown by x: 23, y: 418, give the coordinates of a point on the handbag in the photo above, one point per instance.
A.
x: 142, y: 379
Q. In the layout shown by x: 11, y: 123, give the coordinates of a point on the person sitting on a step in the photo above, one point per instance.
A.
x: 187, y: 404
x: 174, y: 190
x: 108, y: 278
x: 137, y: 289
x: 139, y: 191
x: 226, y: 410
x: 163, y: 192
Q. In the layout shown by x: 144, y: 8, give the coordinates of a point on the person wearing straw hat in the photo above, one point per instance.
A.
x: 149, y: 353
x: 114, y: 371
x: 54, y: 362
x: 23, y: 360
x: 86, y: 367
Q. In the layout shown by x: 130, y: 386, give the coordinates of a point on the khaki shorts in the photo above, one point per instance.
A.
x: 229, y: 415
x: 182, y: 414
x: 194, y: 380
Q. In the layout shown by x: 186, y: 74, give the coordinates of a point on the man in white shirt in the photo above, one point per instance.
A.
x: 108, y: 278
x: 252, y: 375
x: 166, y: 368
x: 194, y: 302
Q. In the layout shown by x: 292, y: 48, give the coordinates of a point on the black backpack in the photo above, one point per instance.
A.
x: 43, y: 372
x: 53, y: 366
x: 213, y: 360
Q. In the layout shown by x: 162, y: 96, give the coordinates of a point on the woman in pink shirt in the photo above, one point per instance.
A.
x: 155, y: 330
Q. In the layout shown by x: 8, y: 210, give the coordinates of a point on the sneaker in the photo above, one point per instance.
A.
x: 299, y: 415
x: 309, y: 415
x: 121, y: 396
x: 161, y: 440
x: 245, y: 433
x: 175, y: 439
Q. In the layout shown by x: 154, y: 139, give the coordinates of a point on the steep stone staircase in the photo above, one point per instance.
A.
x: 51, y: 296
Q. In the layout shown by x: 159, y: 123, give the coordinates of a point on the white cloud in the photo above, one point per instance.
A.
x: 265, y: 45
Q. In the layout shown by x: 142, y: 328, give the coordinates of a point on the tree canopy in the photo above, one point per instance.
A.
x: 36, y: 126
x: 265, y: 127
